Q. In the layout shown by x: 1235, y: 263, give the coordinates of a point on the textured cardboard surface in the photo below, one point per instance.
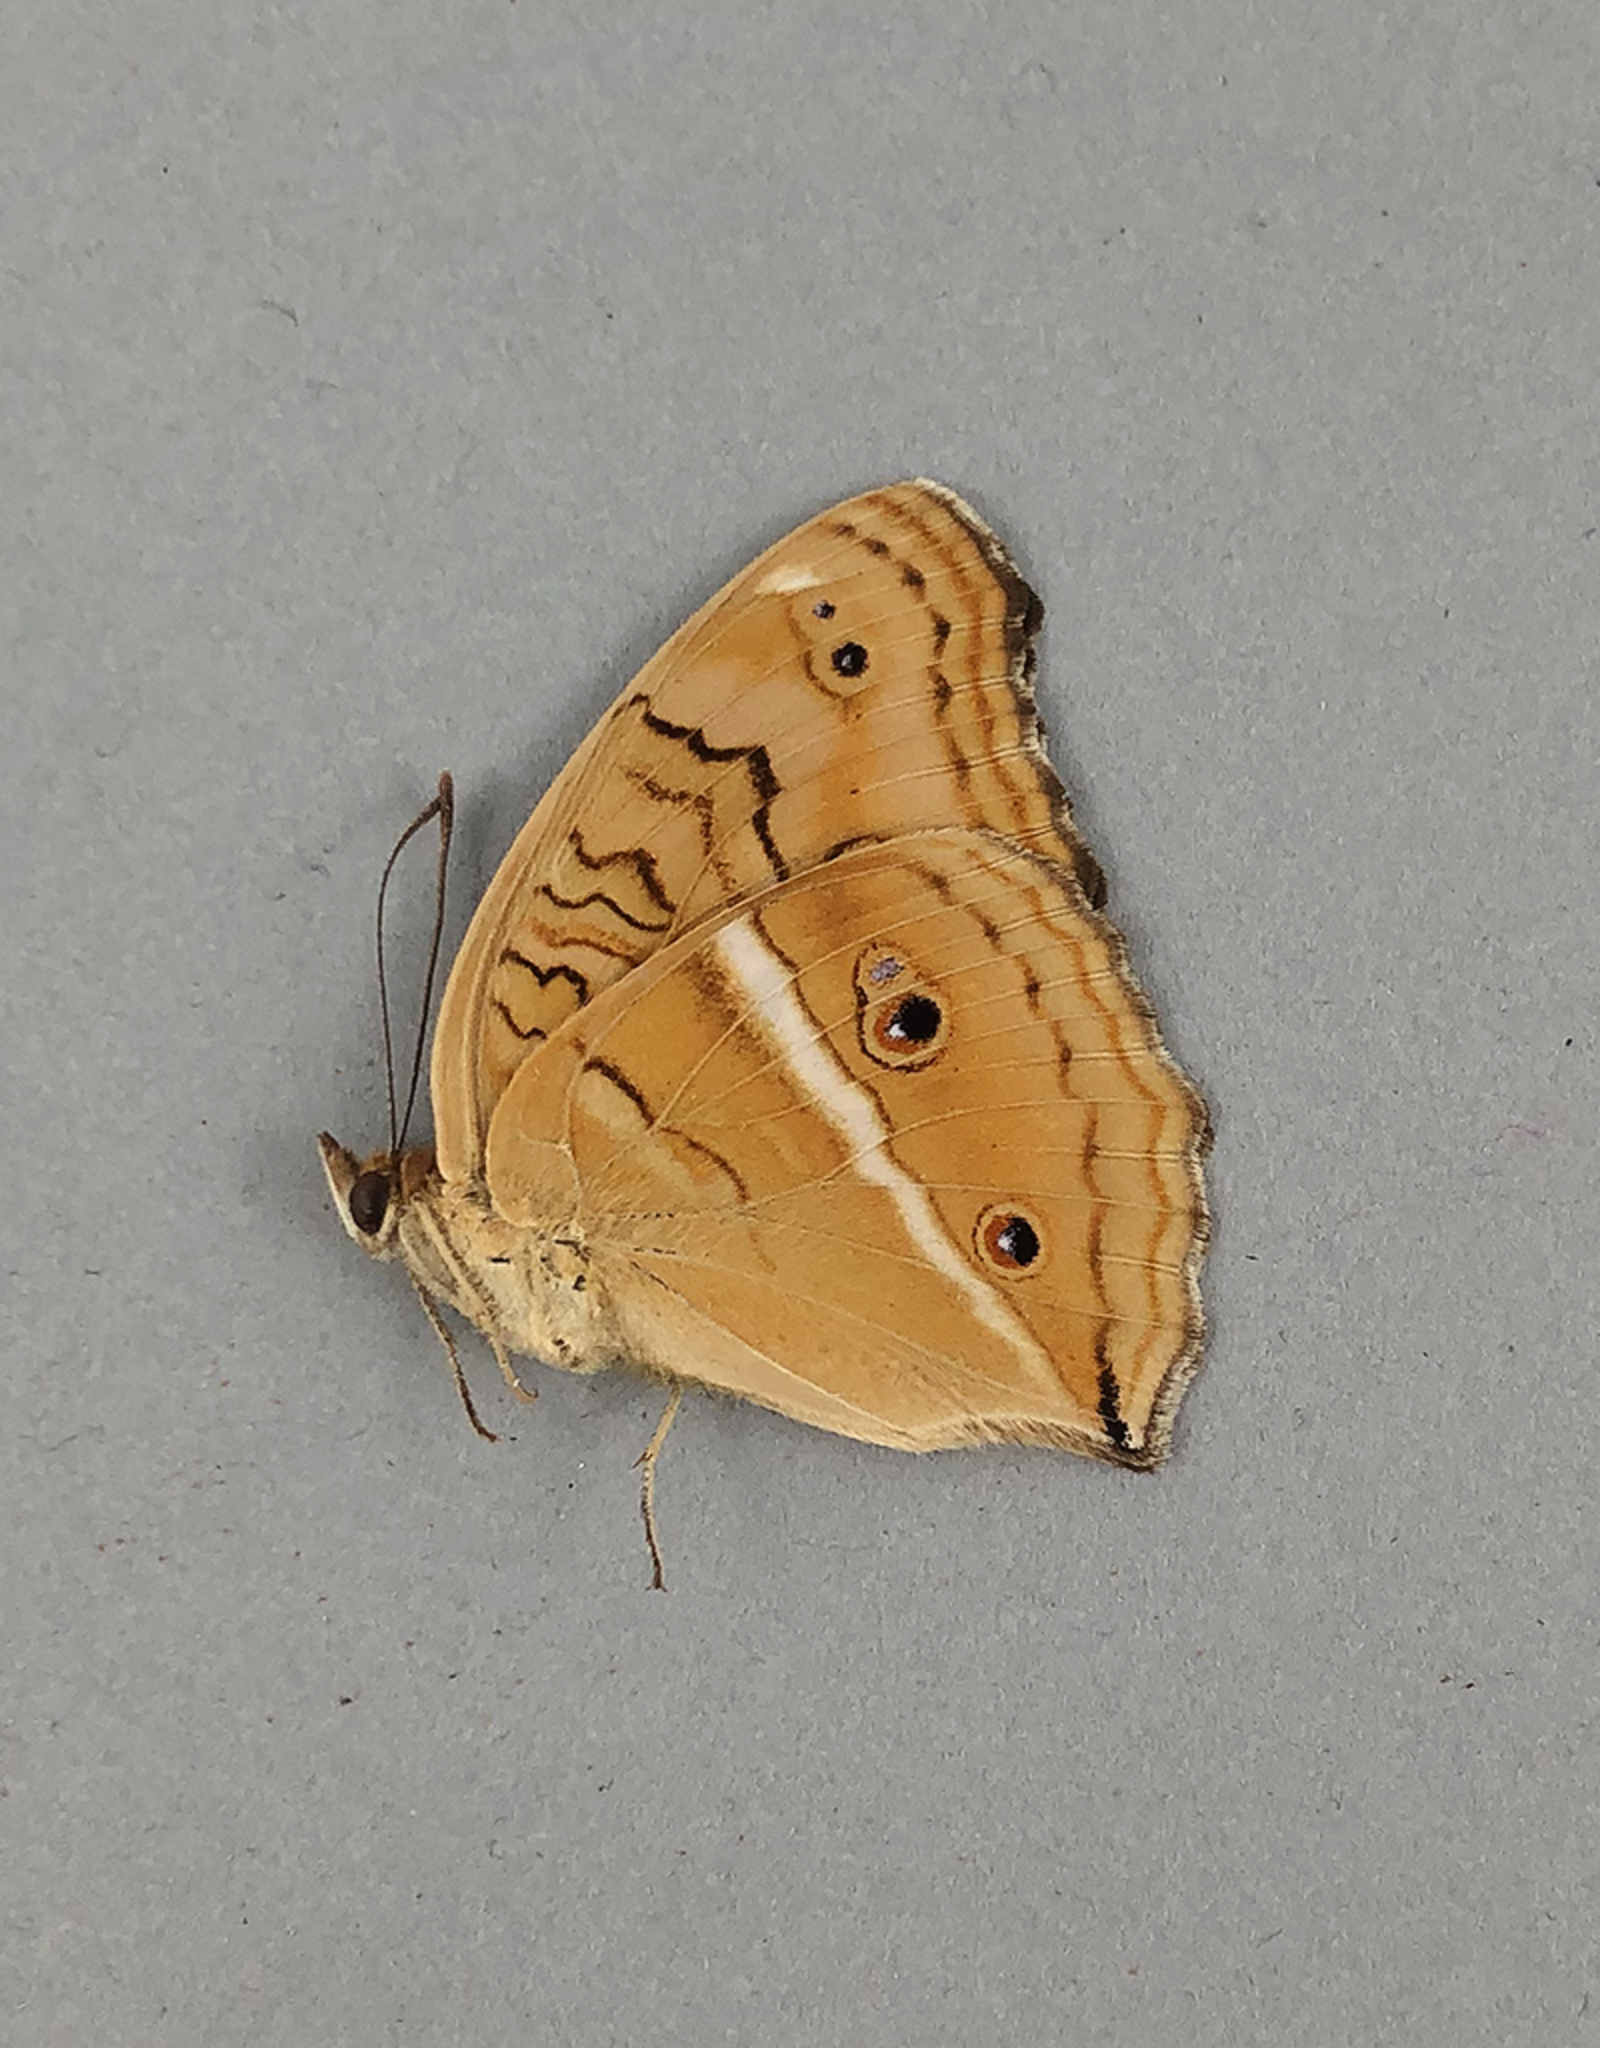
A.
x: 380, y: 386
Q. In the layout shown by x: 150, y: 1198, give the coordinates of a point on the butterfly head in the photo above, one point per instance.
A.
x: 371, y: 1194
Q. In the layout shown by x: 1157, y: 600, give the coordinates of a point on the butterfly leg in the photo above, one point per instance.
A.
x: 441, y: 1331
x: 528, y: 1394
x: 646, y: 1461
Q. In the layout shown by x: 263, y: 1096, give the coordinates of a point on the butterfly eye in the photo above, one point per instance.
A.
x: 369, y: 1202
x: 1008, y: 1240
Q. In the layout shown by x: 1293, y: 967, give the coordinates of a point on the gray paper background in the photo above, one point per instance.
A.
x: 378, y: 386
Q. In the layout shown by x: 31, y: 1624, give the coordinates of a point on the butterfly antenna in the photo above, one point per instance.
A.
x: 442, y: 808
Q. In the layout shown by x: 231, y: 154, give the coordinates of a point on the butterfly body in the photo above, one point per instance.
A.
x: 790, y: 1051
x: 528, y: 1290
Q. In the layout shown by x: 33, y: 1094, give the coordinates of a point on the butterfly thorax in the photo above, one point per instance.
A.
x: 528, y: 1289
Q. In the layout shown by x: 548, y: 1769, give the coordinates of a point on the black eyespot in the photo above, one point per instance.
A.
x: 369, y: 1201
x: 902, y: 1022
x: 1008, y: 1241
x: 1018, y: 1242
x: 822, y: 609
x: 915, y: 1021
x: 850, y: 659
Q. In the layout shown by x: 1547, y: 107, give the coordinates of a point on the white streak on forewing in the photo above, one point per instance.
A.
x: 829, y: 1084
x: 784, y: 582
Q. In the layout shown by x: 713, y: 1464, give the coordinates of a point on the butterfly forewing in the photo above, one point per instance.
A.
x: 867, y: 677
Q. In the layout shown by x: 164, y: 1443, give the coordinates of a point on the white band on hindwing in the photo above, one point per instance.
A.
x: 765, y: 982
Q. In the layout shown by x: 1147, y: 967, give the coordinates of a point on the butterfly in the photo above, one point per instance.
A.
x: 790, y: 1050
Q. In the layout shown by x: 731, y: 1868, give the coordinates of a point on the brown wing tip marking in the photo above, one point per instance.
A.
x: 1110, y: 1395
x: 1024, y: 618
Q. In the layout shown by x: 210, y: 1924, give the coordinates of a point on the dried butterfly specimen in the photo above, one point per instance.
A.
x: 790, y: 1052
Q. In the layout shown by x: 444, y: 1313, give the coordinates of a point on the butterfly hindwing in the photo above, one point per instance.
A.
x: 894, y: 1146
